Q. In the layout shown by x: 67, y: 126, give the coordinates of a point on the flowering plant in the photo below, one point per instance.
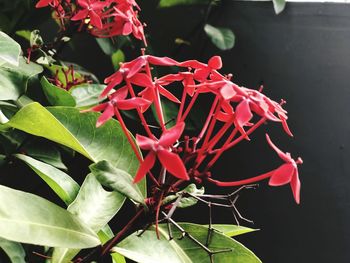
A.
x: 162, y: 169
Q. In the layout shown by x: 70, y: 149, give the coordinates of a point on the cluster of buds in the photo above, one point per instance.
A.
x: 66, y: 78
x: 101, y: 18
x: 235, y: 113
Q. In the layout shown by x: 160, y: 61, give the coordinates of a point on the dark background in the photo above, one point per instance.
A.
x: 301, y: 55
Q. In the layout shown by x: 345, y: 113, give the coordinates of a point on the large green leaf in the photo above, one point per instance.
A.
x: 86, y: 95
x: 14, y: 250
x: 78, y: 131
x: 61, y: 183
x: 27, y: 218
x: 13, y: 80
x: 149, y: 249
x: 223, y: 38
x: 56, y: 96
x: 279, y: 5
x: 116, y: 179
x: 170, y: 3
x: 9, y: 50
x: 95, y: 207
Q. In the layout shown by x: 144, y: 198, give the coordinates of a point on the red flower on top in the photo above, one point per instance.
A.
x: 91, y: 9
x: 162, y: 150
x: 286, y: 173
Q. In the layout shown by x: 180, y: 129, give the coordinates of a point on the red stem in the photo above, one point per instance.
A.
x: 189, y: 107
x: 182, y: 105
x: 241, y: 182
x: 110, y: 244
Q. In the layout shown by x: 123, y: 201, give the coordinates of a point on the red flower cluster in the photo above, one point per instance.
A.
x: 234, y: 114
x: 102, y: 18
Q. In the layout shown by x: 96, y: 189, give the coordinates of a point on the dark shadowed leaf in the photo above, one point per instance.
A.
x: 61, y: 183
x: 13, y: 250
x: 223, y: 38
x: 170, y: 3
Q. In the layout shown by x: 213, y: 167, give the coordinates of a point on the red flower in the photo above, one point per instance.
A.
x: 286, y: 173
x: 92, y: 9
x: 117, y: 100
x: 162, y: 150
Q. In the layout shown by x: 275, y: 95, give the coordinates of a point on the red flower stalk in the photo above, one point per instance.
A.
x: 284, y: 174
x: 231, y: 115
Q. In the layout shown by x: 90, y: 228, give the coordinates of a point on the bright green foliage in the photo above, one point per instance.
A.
x: 56, y: 96
x: 142, y: 249
x: 86, y: 95
x: 27, y: 218
x: 170, y: 3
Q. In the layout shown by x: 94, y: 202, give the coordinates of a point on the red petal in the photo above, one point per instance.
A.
x: 282, y: 175
x: 281, y: 154
x: 243, y: 113
x: 167, y: 94
x: 97, y: 108
x: 173, y: 164
x: 224, y: 117
x: 132, y: 103
x: 120, y: 94
x: 162, y: 61
x: 201, y: 74
x: 106, y: 115
x: 215, y: 62
x: 285, y: 126
x: 169, y: 137
x: 192, y: 64
x: 144, y: 142
x: 83, y: 3
x: 96, y: 19
x: 167, y: 79
x: 136, y: 66
x: 80, y: 15
x: 127, y: 29
x: 43, y: 3
x: 227, y: 92
x: 295, y: 185
x: 145, y: 166
x: 112, y: 81
x: 142, y: 80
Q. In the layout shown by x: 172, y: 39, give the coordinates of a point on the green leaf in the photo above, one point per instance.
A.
x: 28, y: 218
x: 77, y: 131
x: 170, y: 3
x: 232, y: 230
x: 106, y: 45
x: 95, y: 207
x: 14, y: 250
x: 87, y: 95
x: 222, y: 38
x: 10, y: 50
x: 44, y: 151
x: 56, y: 95
x: 24, y: 33
x: 149, y: 249
x: 61, y: 183
x: 117, y: 58
x: 116, y: 179
x: 279, y: 5
x: 185, y: 201
x: 13, y: 80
